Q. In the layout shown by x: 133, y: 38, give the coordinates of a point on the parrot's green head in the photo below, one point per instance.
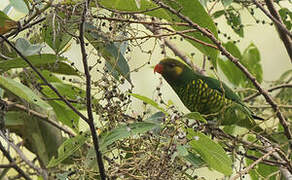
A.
x: 172, y: 70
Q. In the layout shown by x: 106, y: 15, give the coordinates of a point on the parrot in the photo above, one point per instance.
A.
x: 208, y: 96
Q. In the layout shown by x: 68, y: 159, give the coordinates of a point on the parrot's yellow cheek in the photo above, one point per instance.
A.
x: 178, y: 70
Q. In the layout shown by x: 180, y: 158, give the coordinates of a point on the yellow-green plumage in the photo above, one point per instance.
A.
x: 206, y: 95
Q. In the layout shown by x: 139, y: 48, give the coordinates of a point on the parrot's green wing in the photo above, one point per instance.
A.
x: 222, y: 88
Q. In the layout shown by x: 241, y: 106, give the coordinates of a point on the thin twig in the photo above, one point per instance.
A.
x: 11, y: 165
x: 12, y: 161
x: 140, y: 22
x: 269, y: 90
x: 247, y: 169
x: 269, y: 106
x: 90, y: 120
x: 24, y: 158
x: 43, y: 117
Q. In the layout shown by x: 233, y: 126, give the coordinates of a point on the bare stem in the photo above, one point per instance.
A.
x: 90, y: 120
x: 12, y: 161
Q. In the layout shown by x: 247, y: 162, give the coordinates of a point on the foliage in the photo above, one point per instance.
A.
x: 44, y: 91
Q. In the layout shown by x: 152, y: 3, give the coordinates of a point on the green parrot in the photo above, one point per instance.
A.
x: 206, y: 95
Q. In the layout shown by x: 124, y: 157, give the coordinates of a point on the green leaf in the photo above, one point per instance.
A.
x: 195, y: 116
x: 260, y: 171
x: 26, y: 48
x: 65, y: 114
x: 230, y: 70
x: 67, y: 90
x: 48, y: 76
x: 41, y: 138
x: 217, y: 14
x: 190, y: 8
x: 130, y: 5
x: 23, y: 92
x: 251, y: 60
x: 56, y: 38
x: 156, y: 117
x: 148, y: 101
x: 124, y: 131
x: 19, y: 5
x: 192, y: 158
x: 286, y: 75
x: 62, y: 68
x: 212, y: 153
x: 110, y: 52
x: 67, y: 149
x: 14, y: 119
x: 226, y: 2
x: 36, y: 60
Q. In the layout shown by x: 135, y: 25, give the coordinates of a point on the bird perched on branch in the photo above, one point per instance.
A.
x: 206, y: 95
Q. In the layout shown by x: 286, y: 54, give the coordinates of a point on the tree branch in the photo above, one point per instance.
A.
x: 90, y: 120
x: 12, y: 161
x: 269, y: 90
x: 24, y: 158
x: 250, y: 167
x: 41, y: 116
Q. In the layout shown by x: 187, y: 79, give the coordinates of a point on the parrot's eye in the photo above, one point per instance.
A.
x: 172, y: 65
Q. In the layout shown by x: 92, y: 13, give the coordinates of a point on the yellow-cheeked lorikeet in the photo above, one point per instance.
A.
x: 206, y: 95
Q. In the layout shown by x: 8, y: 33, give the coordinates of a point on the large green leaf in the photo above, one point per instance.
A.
x: 23, y: 92
x: 212, y: 153
x: 36, y: 60
x: 130, y: 5
x: 192, y: 158
x: 41, y: 138
x: 230, y: 70
x: 190, y: 8
x: 61, y: 68
x: 70, y: 92
x: 251, y: 60
x: 148, y: 101
x: 117, y: 64
x: 67, y: 149
x: 65, y: 114
x: 124, y: 131
x: 67, y: 90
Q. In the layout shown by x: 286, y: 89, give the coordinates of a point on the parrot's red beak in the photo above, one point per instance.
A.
x: 158, y: 68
